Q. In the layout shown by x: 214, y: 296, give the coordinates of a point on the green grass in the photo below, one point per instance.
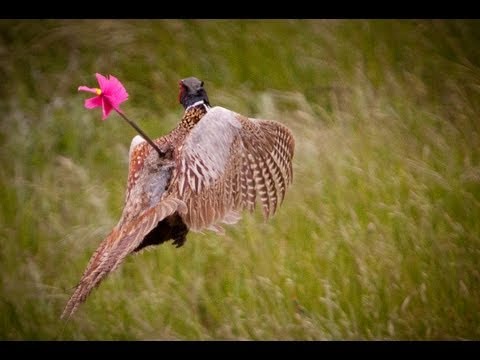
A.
x: 378, y: 238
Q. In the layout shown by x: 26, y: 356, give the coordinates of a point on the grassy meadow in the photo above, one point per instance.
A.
x: 378, y: 237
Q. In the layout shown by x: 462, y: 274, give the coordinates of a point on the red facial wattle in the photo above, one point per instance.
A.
x: 181, y: 90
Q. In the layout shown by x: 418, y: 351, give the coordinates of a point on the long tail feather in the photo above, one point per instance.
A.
x: 118, y: 244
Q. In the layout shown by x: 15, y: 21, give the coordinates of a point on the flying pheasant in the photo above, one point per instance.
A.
x: 213, y: 165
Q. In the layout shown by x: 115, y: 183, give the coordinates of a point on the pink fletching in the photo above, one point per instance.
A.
x: 110, y: 95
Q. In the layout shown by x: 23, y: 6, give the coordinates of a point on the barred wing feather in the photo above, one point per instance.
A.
x: 227, y: 163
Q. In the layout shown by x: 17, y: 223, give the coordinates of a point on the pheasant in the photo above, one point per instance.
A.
x: 211, y: 166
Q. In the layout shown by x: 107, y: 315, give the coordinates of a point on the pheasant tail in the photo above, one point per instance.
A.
x: 118, y: 244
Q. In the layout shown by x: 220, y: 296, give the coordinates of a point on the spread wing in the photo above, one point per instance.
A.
x: 229, y: 162
x: 144, y: 209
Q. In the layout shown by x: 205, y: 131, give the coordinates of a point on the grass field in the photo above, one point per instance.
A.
x: 378, y: 237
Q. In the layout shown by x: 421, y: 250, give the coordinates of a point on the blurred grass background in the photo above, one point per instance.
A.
x: 378, y: 238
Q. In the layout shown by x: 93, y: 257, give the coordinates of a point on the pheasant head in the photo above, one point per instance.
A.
x: 192, y: 92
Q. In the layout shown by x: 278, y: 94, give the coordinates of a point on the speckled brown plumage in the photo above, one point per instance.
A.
x: 216, y: 163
